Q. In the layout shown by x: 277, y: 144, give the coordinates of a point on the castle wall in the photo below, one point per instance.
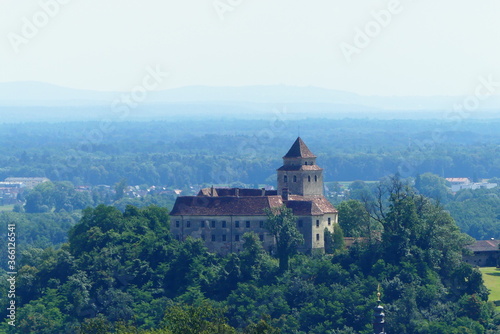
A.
x: 304, y: 183
x: 222, y: 234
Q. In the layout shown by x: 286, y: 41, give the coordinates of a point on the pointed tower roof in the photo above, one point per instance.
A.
x: 299, y: 150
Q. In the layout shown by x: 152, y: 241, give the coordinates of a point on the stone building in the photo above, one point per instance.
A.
x: 485, y: 253
x: 220, y: 216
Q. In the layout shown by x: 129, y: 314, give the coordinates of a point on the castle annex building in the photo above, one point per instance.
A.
x: 220, y: 216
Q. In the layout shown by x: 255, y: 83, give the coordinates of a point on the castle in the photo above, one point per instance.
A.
x: 220, y: 216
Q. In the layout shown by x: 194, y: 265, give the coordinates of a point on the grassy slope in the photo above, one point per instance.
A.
x: 6, y: 208
x: 491, y: 276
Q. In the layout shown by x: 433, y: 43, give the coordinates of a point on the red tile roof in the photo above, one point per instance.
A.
x: 299, y: 150
x: 224, y: 205
x: 236, y: 192
x: 227, y: 205
x: 319, y: 204
x: 485, y: 246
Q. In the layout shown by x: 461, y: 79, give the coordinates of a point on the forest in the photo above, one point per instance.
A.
x: 180, y: 154
x: 122, y: 272
x: 102, y: 262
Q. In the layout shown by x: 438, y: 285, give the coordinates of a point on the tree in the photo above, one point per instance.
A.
x: 433, y: 186
x: 120, y: 189
x: 281, y: 223
x: 334, y: 242
x: 196, y: 319
x: 354, y: 220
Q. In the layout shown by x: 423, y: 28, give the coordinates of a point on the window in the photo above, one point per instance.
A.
x: 237, y: 223
x: 301, y: 223
x: 317, y: 237
x: 213, y: 223
x: 247, y: 223
x: 309, y: 178
x: 223, y: 223
x: 261, y: 224
x: 261, y: 237
x: 213, y: 237
x: 188, y: 223
x: 285, y: 178
x: 295, y: 178
x: 317, y: 222
x: 237, y: 237
x: 329, y: 221
x: 202, y: 223
x: 315, y: 178
x: 223, y: 237
x: 305, y: 163
x: 177, y: 223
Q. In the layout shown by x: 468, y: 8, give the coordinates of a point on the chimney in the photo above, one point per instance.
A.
x: 212, y: 191
x: 263, y: 191
x: 285, y: 194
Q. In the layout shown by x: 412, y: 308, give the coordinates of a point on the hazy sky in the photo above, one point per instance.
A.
x: 418, y: 47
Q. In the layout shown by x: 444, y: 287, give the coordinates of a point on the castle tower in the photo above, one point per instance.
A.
x: 299, y: 174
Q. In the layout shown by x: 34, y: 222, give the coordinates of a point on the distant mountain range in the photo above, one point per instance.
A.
x: 36, y: 96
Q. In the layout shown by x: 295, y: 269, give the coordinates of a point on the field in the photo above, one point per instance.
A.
x: 491, y: 276
x: 6, y: 207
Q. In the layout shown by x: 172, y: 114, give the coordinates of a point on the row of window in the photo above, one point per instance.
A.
x: 223, y: 224
x: 222, y: 237
x: 285, y: 178
x: 301, y: 223
x: 236, y: 237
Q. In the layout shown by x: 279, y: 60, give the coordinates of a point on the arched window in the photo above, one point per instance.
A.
x: 315, y: 178
x: 294, y: 178
x: 285, y: 178
x: 305, y: 163
x: 309, y: 178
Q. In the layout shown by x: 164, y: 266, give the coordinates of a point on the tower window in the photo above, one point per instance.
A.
x: 309, y: 178
x: 285, y: 178
x: 315, y: 178
x: 295, y: 178
x: 329, y: 221
x: 317, y: 222
x: 317, y: 237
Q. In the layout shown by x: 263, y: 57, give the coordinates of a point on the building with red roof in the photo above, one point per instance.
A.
x: 220, y: 216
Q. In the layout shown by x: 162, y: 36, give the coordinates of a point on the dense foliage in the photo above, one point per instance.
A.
x: 123, y: 272
x: 181, y: 154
